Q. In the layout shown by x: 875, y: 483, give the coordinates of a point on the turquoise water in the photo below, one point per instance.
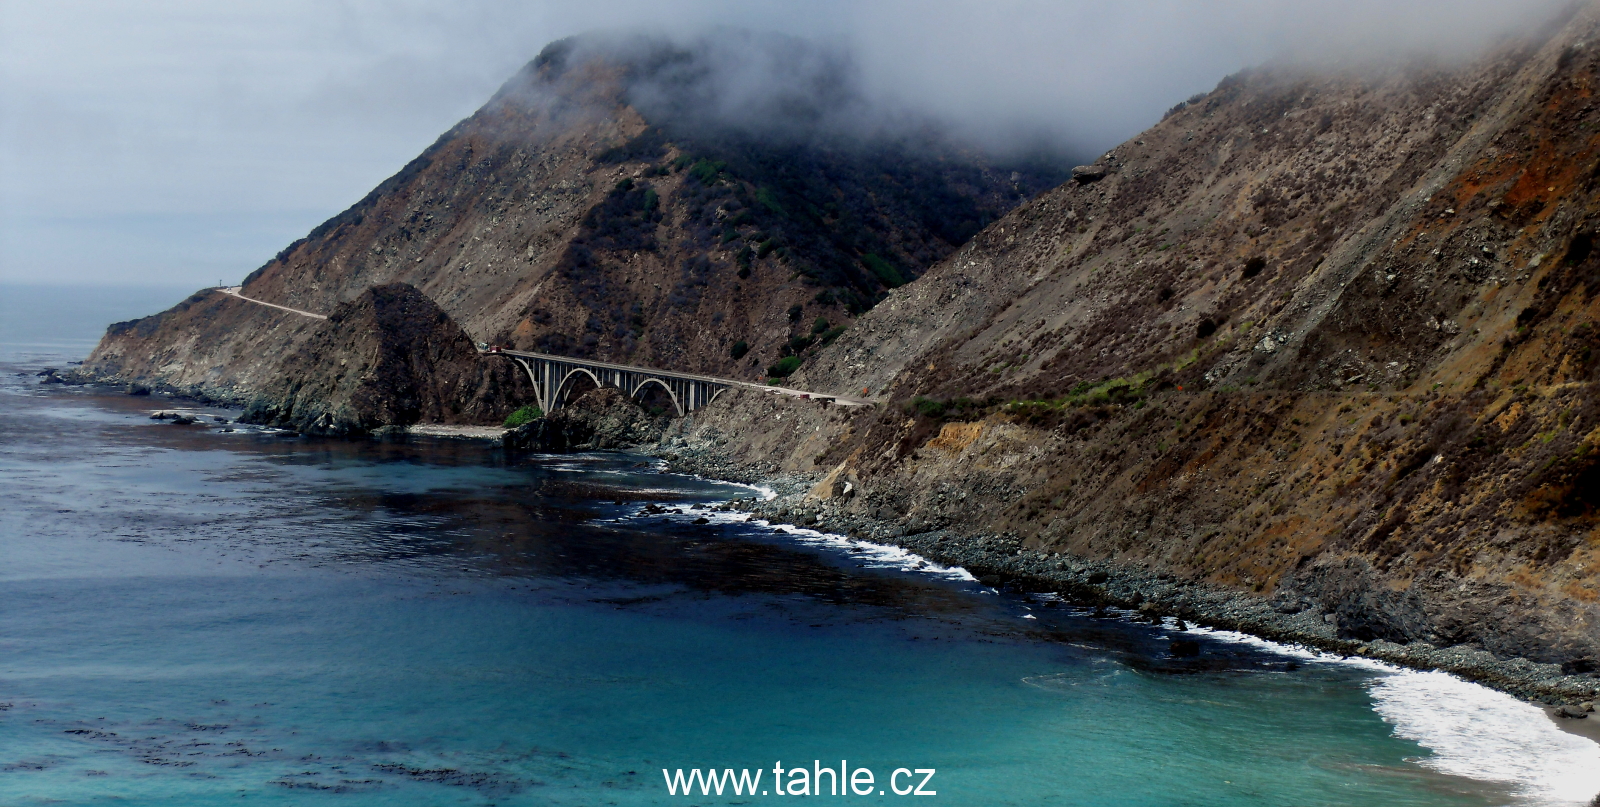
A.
x: 195, y: 617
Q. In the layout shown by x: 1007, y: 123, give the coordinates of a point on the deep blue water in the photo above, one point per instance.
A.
x: 189, y: 616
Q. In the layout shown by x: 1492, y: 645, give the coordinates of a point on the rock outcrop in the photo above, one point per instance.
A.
x: 594, y: 208
x: 390, y: 357
x: 1328, y: 339
x: 599, y: 420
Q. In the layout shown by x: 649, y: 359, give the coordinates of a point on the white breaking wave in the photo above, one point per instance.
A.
x: 874, y: 556
x: 1472, y: 731
x: 1478, y: 733
x: 870, y: 555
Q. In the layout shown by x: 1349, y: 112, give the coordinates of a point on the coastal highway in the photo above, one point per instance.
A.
x: 840, y: 400
x: 235, y: 291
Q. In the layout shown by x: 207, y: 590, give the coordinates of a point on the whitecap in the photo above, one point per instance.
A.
x: 1479, y: 733
x: 1472, y: 731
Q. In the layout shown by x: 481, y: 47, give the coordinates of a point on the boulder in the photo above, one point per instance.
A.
x: 600, y: 420
x: 1085, y: 174
x: 1184, y: 648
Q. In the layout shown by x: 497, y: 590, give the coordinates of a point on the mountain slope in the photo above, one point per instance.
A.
x: 594, y: 207
x: 1327, y: 338
x: 389, y: 357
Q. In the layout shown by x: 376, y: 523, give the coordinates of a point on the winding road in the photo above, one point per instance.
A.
x: 840, y: 400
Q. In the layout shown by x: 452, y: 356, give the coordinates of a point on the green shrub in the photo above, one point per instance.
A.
x: 766, y: 198
x: 794, y: 312
x: 706, y: 171
x: 833, y: 333
x: 953, y: 409
x: 886, y: 272
x: 739, y: 349
x: 526, y: 414
x: 928, y: 407
x: 785, y: 367
x: 800, y: 342
x: 651, y: 198
x: 820, y: 325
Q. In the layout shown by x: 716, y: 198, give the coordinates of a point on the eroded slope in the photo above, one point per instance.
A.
x: 1326, y: 338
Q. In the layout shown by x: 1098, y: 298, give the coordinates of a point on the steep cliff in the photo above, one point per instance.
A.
x: 606, y: 204
x: 390, y: 357
x: 1329, y: 338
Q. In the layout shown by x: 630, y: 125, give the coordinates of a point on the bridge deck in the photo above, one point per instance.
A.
x: 842, y: 400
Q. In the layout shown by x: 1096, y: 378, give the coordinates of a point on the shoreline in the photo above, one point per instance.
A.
x: 783, y: 499
x: 1000, y: 561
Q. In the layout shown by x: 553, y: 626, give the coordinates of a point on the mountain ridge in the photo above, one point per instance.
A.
x: 559, y: 218
x: 1320, y: 338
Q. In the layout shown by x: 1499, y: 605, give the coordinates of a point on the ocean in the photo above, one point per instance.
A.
x: 193, y: 616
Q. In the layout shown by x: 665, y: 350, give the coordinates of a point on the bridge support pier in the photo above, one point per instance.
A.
x: 553, y: 378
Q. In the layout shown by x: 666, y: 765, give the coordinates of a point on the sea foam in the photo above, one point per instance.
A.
x: 1472, y: 731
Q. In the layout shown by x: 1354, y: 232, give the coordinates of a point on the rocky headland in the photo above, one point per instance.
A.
x: 390, y: 357
x: 1314, y: 357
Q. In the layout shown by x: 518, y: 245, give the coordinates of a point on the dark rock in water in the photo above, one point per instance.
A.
x: 162, y: 416
x: 702, y: 520
x: 1181, y: 625
x: 1572, y: 712
x: 216, y: 419
x: 138, y: 390
x: 601, y: 419
x: 1084, y: 174
x: 391, y: 434
x: 183, y: 420
x: 1184, y: 648
x: 50, y: 377
x: 539, y: 435
x: 389, y: 357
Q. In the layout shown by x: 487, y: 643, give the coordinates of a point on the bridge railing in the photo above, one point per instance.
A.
x: 549, y: 395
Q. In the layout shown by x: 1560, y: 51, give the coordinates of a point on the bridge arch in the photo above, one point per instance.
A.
x: 639, y: 389
x: 559, y: 397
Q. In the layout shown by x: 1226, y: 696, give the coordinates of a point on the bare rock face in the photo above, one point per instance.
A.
x: 601, y: 419
x: 597, y: 208
x: 390, y: 357
x: 1333, y: 338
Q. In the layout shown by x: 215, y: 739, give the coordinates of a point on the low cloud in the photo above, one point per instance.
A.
x: 287, y: 111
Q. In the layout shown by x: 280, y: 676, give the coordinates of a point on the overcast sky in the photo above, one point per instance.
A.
x: 187, y: 141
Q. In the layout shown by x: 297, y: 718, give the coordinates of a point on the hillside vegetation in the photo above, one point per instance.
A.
x: 1329, y: 338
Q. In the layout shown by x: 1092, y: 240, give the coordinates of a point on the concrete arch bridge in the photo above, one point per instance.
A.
x: 554, y: 377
